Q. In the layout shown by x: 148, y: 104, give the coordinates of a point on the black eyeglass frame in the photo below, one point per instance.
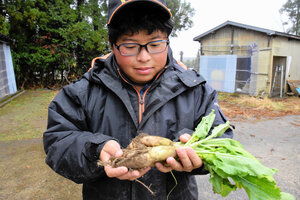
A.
x: 141, y: 46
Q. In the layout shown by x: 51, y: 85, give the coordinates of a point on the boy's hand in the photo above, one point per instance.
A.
x: 189, y: 160
x: 113, y: 149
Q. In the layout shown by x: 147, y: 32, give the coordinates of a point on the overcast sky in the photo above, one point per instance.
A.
x: 211, y: 13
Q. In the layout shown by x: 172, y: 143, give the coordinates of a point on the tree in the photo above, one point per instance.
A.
x: 292, y: 10
x: 4, y: 24
x: 57, y: 39
x: 182, y: 13
x: 23, y: 18
x: 53, y: 37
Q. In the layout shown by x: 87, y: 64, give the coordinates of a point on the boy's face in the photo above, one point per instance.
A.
x: 142, y: 67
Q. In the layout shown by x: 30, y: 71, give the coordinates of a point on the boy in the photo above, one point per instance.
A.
x: 139, y: 87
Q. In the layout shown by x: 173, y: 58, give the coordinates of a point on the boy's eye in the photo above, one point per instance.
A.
x: 130, y: 46
x: 155, y: 44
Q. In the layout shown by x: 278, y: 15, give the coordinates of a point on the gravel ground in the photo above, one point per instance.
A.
x: 24, y: 174
x: 276, y: 144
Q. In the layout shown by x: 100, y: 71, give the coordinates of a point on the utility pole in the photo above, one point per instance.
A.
x: 181, y: 56
x: 197, y: 62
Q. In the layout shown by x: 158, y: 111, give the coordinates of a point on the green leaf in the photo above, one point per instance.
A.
x: 203, y: 128
x: 232, y: 146
x: 220, y: 129
x: 287, y: 196
x: 217, y: 131
x: 241, y: 165
x: 221, y: 185
x: 259, y: 188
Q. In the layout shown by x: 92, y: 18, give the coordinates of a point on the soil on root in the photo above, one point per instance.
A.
x: 143, y: 151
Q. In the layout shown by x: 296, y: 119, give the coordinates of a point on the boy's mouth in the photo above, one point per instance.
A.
x: 143, y: 70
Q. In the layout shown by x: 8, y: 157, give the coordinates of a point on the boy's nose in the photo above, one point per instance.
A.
x: 144, y: 55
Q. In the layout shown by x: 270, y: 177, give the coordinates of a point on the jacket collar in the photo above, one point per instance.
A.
x: 173, y: 81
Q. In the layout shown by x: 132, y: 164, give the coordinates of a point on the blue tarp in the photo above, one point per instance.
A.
x: 219, y: 71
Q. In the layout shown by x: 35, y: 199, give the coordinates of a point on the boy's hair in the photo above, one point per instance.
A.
x: 139, y: 16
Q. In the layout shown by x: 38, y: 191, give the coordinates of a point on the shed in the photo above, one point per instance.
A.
x: 235, y: 57
x: 7, y: 76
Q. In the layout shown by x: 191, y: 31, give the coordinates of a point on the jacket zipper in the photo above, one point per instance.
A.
x: 141, y: 105
x: 141, y: 96
x: 141, y: 102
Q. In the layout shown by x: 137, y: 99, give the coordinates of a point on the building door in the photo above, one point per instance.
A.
x: 278, y: 76
x: 243, y: 74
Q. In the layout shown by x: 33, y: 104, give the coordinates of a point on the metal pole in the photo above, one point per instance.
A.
x: 181, y: 56
x: 281, y: 81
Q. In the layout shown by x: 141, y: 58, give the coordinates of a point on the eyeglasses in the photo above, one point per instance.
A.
x: 131, y: 49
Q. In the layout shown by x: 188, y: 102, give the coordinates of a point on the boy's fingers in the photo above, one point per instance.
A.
x: 194, y: 158
x: 185, y: 159
x: 115, y: 172
x: 104, y: 156
x: 184, y: 138
x: 144, y: 171
x: 174, y: 164
x: 135, y: 174
x: 111, y: 148
x: 162, y: 168
x: 130, y: 175
x: 119, y: 153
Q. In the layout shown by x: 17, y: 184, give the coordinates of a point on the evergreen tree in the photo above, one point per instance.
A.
x: 292, y: 9
x: 53, y: 37
x: 57, y: 39
x: 182, y: 13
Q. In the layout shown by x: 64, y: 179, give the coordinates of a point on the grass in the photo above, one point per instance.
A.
x: 22, y: 160
x: 25, y: 117
x: 241, y: 106
x: 274, y: 104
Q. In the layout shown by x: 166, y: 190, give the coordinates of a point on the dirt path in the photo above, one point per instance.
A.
x: 24, y: 175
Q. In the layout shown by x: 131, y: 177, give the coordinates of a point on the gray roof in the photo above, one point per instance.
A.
x: 262, y: 30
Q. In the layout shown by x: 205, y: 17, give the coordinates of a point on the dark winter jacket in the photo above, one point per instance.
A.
x: 104, y: 106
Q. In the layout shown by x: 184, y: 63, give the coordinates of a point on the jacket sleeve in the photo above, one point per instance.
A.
x: 72, y: 150
x: 205, y: 104
x: 206, y: 101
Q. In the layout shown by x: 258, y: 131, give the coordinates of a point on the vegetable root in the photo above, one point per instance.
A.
x: 143, y: 151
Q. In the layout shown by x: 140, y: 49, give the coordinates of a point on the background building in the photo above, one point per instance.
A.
x: 236, y: 57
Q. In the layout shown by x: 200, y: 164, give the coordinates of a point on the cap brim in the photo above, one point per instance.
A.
x: 159, y: 5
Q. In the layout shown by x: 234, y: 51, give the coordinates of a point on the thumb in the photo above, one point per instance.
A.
x: 119, y: 153
x: 184, y: 138
x: 111, y: 148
